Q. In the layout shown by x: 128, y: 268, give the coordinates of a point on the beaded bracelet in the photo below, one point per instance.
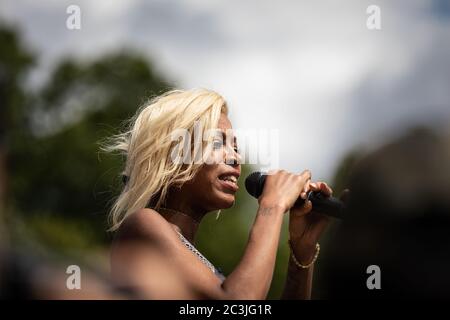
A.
x: 298, y: 264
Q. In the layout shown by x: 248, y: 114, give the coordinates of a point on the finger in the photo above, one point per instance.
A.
x: 306, y: 175
x: 345, y: 195
x: 307, y: 207
x: 304, y: 209
x: 306, y: 187
x: 325, y: 189
x: 303, y: 180
x: 314, y: 187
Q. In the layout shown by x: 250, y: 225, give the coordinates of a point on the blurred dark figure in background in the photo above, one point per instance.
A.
x: 27, y: 275
x: 24, y: 276
x: 398, y: 220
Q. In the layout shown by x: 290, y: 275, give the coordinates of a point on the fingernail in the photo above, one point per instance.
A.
x: 303, y: 195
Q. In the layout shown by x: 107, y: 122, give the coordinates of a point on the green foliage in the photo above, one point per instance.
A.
x: 60, y: 186
x: 15, y: 60
x: 54, y: 160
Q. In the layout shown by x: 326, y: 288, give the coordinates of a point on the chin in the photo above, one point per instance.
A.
x: 227, y: 205
x: 225, y: 201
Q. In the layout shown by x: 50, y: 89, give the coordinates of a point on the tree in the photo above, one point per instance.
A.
x: 15, y: 61
x: 54, y: 144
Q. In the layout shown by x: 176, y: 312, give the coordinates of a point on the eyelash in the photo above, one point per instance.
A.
x: 218, y: 144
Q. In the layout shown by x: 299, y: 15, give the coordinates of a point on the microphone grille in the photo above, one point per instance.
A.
x: 254, y: 183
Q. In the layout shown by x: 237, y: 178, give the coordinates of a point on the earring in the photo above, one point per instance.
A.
x: 217, y: 214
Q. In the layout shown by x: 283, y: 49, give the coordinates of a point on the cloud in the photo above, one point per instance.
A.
x: 310, y: 69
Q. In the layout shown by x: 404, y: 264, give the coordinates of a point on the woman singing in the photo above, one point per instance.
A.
x: 157, y: 214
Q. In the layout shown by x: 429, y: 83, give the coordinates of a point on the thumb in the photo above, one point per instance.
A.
x: 299, y: 211
x: 345, y: 196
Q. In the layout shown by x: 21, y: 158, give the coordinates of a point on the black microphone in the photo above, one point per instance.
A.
x: 330, y: 206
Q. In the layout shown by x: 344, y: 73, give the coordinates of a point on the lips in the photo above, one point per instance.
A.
x: 229, y: 181
x: 228, y: 178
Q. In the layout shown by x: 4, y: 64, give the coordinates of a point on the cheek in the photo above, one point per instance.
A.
x: 211, y: 179
x: 206, y: 189
x: 205, y: 180
x: 209, y: 188
x: 215, y: 157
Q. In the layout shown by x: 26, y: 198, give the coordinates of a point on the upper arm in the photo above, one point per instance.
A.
x: 148, y: 255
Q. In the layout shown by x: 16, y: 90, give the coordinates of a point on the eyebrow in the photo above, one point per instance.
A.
x: 224, y: 136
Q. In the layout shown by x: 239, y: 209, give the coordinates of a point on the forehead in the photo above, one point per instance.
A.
x: 224, y: 122
x: 225, y: 128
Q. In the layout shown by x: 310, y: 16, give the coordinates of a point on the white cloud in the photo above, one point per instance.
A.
x: 311, y: 69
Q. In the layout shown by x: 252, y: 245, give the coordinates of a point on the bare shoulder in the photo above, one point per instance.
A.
x: 147, y: 249
x: 145, y: 225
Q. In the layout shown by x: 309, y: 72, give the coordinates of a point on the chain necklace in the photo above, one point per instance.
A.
x: 190, y: 246
x: 177, y: 212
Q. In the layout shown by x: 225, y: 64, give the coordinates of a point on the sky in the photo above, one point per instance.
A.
x: 310, y: 69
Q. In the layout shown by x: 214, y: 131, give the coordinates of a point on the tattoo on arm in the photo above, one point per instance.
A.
x: 265, y: 211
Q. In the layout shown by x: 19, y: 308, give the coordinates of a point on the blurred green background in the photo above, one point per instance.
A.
x: 55, y: 184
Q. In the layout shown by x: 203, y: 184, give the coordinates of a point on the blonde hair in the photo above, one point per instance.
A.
x: 147, y: 146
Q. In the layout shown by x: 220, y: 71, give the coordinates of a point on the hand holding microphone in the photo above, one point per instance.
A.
x: 280, y: 188
x: 321, y: 202
x: 297, y: 193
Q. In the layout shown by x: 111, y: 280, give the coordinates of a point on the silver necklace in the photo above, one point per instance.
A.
x: 177, y: 212
x: 188, y: 244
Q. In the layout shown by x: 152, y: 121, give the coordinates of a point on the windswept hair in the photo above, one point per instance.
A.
x: 147, y: 146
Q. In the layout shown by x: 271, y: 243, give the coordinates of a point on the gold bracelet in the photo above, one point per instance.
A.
x: 298, y: 264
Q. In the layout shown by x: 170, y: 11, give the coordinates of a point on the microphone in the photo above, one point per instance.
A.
x: 330, y: 206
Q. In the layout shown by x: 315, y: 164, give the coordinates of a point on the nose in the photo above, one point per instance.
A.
x: 232, y: 157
